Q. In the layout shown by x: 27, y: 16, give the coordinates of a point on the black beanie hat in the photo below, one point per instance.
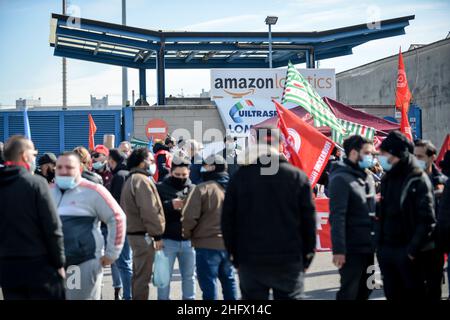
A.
x: 397, y: 144
x: 47, y: 158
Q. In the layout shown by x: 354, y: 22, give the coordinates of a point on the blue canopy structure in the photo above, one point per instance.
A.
x: 131, y: 47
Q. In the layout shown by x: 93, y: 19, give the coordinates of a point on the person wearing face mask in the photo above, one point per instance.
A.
x: 229, y: 153
x: 202, y: 216
x: 81, y: 206
x: 31, y: 239
x: 426, y: 154
x: 125, y: 147
x: 145, y: 218
x: 121, y: 270
x: 86, y: 165
x: 47, y: 165
x: 173, y: 190
x: 406, y: 221
x: 352, y: 218
x: 100, y: 164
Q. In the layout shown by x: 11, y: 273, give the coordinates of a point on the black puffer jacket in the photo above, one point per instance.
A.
x: 269, y: 219
x: 406, y: 209
x: 167, y: 192
x: 29, y: 224
x: 352, y: 209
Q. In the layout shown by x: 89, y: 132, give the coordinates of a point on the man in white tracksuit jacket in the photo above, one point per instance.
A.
x: 81, y: 206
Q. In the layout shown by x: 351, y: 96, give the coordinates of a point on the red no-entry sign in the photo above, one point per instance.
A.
x: 156, y: 129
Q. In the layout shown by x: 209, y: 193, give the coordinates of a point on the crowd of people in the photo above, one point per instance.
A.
x: 65, y: 219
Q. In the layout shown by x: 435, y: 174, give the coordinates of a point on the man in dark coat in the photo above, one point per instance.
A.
x: 407, y: 221
x: 31, y: 239
x: 269, y: 222
x: 173, y: 191
x: 122, y: 268
x: 426, y: 153
x: 352, y: 218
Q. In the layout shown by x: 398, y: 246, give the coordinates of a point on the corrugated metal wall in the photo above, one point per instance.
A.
x: 58, y: 131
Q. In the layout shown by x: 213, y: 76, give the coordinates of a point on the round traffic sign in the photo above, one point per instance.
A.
x: 156, y: 129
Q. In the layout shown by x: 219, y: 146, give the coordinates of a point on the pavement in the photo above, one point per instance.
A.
x: 321, y: 283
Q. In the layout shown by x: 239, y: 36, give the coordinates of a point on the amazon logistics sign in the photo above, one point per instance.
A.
x: 244, y: 96
x: 266, y: 83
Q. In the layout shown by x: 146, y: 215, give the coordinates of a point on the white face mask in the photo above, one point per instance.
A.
x: 422, y: 164
x: 152, y: 169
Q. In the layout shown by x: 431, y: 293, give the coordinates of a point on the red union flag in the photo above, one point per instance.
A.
x: 445, y: 147
x: 402, y: 94
x: 304, y: 146
x: 403, y: 97
x: 92, y: 131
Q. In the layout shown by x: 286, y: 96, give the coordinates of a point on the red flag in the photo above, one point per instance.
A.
x: 92, y: 131
x: 403, y: 97
x: 445, y: 147
x: 405, y: 127
x: 305, y: 147
x: 402, y: 94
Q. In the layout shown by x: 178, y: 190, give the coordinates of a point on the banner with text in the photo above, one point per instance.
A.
x: 323, y: 226
x: 266, y: 83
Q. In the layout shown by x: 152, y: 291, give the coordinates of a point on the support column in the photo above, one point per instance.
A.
x: 125, y: 101
x: 160, y: 75
x: 311, y: 59
x: 142, y: 101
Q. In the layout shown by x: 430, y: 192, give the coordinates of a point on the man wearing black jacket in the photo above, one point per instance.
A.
x: 122, y: 268
x: 407, y: 221
x: 352, y: 218
x: 31, y: 239
x: 426, y: 153
x: 173, y: 191
x: 269, y: 222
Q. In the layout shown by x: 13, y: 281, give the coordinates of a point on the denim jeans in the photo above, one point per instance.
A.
x: 115, y: 274
x: 213, y: 265
x: 185, y: 253
x: 122, y: 268
x: 124, y: 265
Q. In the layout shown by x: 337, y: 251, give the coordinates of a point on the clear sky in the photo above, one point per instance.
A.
x: 28, y: 68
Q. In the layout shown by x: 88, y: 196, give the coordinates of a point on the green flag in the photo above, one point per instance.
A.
x: 298, y: 90
x: 352, y: 128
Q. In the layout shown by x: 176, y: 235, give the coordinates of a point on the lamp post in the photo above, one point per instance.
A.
x: 270, y: 20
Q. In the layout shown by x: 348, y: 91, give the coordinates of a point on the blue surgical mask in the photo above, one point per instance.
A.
x: 64, y: 182
x: 366, y: 162
x: 385, y: 163
x: 98, y: 165
x: 422, y: 164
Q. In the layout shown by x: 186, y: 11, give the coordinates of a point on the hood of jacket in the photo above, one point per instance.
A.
x: 9, y: 174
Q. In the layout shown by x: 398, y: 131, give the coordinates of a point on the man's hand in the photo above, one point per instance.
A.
x: 62, y: 272
x: 178, y: 204
x: 158, y: 245
x: 339, y: 260
x: 106, y: 261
